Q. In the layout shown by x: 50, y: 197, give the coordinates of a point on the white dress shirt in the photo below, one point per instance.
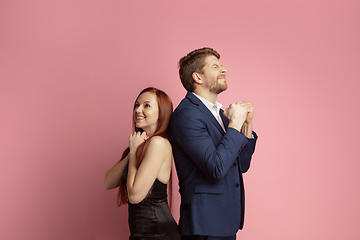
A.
x: 214, y: 109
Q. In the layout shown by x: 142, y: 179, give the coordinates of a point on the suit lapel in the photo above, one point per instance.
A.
x: 224, y: 119
x: 207, y: 112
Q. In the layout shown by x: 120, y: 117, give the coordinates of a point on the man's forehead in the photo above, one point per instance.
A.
x: 211, y: 59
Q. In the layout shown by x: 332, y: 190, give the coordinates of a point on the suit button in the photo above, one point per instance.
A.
x: 235, y: 164
x: 237, y: 185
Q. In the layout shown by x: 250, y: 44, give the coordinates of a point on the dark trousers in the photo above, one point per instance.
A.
x: 199, y: 237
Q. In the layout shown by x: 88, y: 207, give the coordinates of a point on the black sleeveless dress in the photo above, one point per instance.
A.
x: 151, y: 219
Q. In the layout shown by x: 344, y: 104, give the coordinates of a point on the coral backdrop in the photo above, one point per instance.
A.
x: 70, y: 71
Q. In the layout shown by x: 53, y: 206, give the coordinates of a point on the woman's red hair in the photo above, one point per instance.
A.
x: 165, y: 109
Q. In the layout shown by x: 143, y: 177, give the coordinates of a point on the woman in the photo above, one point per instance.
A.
x: 144, y: 170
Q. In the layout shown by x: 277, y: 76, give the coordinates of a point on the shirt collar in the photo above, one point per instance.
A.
x: 207, y: 103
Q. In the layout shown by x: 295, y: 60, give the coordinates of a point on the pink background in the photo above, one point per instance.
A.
x: 70, y: 72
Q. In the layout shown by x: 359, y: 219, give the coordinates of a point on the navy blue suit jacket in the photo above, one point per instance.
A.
x: 209, y: 164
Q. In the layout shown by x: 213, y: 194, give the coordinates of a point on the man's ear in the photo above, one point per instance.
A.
x: 197, y: 78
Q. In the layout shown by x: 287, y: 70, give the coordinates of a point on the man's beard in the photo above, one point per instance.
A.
x: 217, y: 87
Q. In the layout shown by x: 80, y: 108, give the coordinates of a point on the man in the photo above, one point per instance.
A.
x: 212, y: 149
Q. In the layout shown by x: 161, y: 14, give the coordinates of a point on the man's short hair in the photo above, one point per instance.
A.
x: 193, y: 62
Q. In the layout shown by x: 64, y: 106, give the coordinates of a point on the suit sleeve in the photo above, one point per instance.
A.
x: 214, y: 158
x: 246, y: 153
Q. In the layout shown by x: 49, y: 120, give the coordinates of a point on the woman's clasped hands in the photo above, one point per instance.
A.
x: 136, y: 139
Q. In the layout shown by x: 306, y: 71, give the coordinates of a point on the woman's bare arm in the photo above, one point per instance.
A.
x: 114, y: 175
x: 140, y: 180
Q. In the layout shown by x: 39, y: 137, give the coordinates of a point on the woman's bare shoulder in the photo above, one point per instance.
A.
x: 159, y: 142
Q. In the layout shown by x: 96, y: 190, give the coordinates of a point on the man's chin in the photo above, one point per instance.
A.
x: 219, y: 89
x: 225, y: 86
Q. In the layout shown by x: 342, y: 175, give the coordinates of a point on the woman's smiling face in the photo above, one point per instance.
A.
x: 146, y: 112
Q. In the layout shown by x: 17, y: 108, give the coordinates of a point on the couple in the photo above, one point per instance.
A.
x: 211, y: 148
